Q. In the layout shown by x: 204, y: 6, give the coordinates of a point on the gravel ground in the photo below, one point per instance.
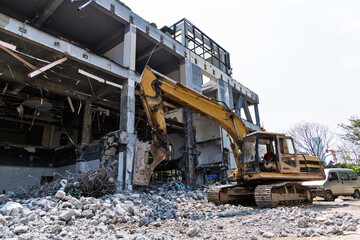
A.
x: 167, y: 211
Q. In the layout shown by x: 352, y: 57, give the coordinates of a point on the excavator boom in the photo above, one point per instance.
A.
x: 270, y: 169
x: 154, y: 86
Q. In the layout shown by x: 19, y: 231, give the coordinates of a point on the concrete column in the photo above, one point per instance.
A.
x: 127, y: 123
x: 247, y: 111
x: 129, y: 55
x: 225, y: 95
x: 190, y: 75
x: 239, y: 102
x: 257, y: 115
x: 86, y: 130
x: 127, y: 112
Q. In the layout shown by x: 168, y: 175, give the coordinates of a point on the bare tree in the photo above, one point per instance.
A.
x: 312, y: 138
x: 349, y: 153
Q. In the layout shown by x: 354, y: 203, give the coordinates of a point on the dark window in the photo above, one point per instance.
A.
x: 343, y: 176
x: 353, y: 176
x: 333, y: 176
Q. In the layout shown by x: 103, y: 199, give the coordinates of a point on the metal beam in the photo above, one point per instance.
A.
x: 16, y: 28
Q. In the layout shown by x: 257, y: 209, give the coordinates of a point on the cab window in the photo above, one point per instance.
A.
x: 333, y: 176
x: 343, y: 176
x: 353, y: 176
x: 287, y: 146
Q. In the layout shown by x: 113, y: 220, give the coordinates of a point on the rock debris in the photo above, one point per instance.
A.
x: 162, y: 211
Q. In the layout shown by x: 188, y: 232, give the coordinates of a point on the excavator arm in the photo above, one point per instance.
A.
x: 153, y: 88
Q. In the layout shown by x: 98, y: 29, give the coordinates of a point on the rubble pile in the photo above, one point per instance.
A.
x: 93, y: 182
x: 166, y: 211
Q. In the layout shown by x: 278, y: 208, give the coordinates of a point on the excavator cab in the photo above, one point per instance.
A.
x: 269, y: 152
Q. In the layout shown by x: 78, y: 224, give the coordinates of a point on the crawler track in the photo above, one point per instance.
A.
x: 286, y: 194
x: 266, y: 196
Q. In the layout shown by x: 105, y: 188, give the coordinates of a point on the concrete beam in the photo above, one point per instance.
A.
x: 109, y: 42
x: 126, y: 16
x: 47, y: 12
x: 61, y: 89
x: 144, y: 54
x: 15, y: 28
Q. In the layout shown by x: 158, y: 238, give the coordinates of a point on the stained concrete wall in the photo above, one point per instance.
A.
x: 13, y: 178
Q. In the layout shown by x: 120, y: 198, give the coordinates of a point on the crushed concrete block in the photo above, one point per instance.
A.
x: 192, y: 232
x: 21, y: 229
x: 75, y: 203
x: 111, y: 151
x: 66, y: 216
x: 60, y: 195
x: 12, y: 209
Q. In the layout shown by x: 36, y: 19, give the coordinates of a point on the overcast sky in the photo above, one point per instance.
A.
x: 302, y: 57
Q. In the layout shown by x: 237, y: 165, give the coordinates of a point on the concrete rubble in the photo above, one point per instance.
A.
x: 162, y: 211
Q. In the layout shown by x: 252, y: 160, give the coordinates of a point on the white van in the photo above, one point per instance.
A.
x: 339, y: 181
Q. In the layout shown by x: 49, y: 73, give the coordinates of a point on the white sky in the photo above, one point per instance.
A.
x: 301, y: 57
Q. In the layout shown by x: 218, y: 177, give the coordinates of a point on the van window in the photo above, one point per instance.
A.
x: 333, y: 176
x: 353, y: 176
x: 343, y: 176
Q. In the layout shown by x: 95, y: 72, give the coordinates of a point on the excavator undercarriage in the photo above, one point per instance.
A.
x: 265, y: 196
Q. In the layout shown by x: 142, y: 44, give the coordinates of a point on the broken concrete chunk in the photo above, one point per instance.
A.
x: 12, y: 209
x: 60, y: 194
x: 268, y: 235
x: 110, y: 140
x: 65, y: 205
x: 25, y: 212
x: 87, y: 214
x: 67, y: 215
x: 2, y: 220
x: 56, y: 228
x: 21, y: 229
x: 111, y: 151
x: 192, y: 232
x: 75, y: 203
x: 43, y: 202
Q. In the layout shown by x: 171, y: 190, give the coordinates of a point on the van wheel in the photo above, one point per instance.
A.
x: 328, y: 195
x: 356, y: 194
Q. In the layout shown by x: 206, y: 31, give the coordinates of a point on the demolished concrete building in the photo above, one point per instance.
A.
x: 69, y: 101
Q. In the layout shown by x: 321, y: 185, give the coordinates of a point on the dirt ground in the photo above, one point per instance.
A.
x: 349, y: 205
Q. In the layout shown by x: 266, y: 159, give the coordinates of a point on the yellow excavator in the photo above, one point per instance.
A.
x: 269, y: 171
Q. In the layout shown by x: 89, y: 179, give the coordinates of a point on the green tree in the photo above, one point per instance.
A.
x: 352, y: 130
x: 350, y: 148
